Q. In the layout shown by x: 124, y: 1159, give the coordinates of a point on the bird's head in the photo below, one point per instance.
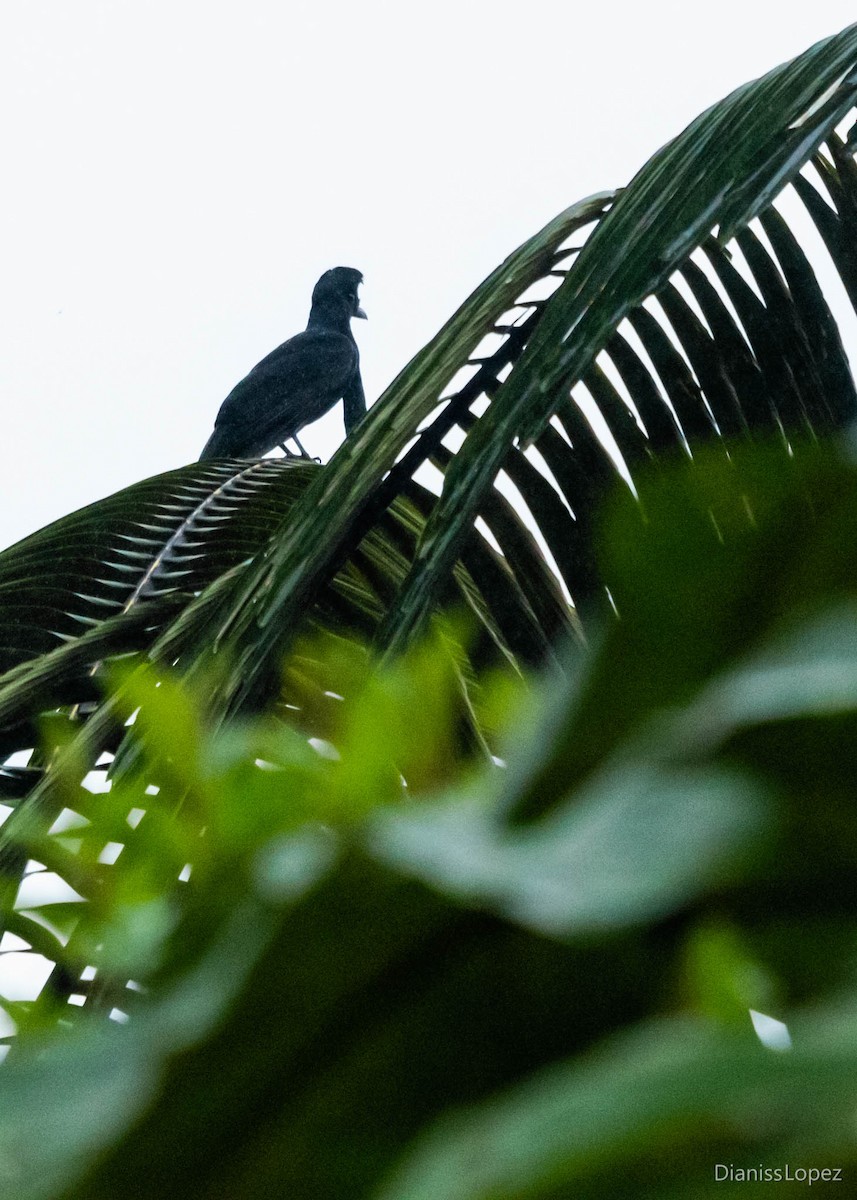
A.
x: 336, y: 291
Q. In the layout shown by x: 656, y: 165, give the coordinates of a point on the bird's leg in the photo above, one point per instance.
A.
x: 291, y: 454
x: 304, y: 454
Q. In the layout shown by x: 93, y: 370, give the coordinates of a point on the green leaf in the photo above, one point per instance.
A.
x: 634, y: 844
x: 649, y: 1114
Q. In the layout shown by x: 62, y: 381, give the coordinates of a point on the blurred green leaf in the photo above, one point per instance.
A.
x: 724, y: 979
x: 671, y: 1097
x: 634, y: 844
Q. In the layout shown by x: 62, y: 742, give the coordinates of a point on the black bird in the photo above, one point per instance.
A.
x: 300, y: 380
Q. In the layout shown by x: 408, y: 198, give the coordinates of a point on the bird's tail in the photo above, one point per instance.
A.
x: 215, y: 447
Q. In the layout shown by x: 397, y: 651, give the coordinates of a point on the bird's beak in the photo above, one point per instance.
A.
x: 361, y: 313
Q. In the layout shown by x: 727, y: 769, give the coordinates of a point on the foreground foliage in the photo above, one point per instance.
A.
x: 401, y: 971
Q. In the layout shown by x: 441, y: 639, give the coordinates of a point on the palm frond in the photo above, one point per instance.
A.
x: 725, y: 169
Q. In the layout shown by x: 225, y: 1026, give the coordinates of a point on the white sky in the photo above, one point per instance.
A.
x: 177, y: 176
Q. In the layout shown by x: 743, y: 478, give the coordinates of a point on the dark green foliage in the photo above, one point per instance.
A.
x: 428, y: 997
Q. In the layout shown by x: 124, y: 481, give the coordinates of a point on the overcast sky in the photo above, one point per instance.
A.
x: 177, y: 176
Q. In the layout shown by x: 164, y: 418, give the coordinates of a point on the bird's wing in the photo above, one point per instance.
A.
x: 354, y: 401
x: 291, y: 386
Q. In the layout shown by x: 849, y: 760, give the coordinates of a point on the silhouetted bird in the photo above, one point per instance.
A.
x: 300, y: 380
